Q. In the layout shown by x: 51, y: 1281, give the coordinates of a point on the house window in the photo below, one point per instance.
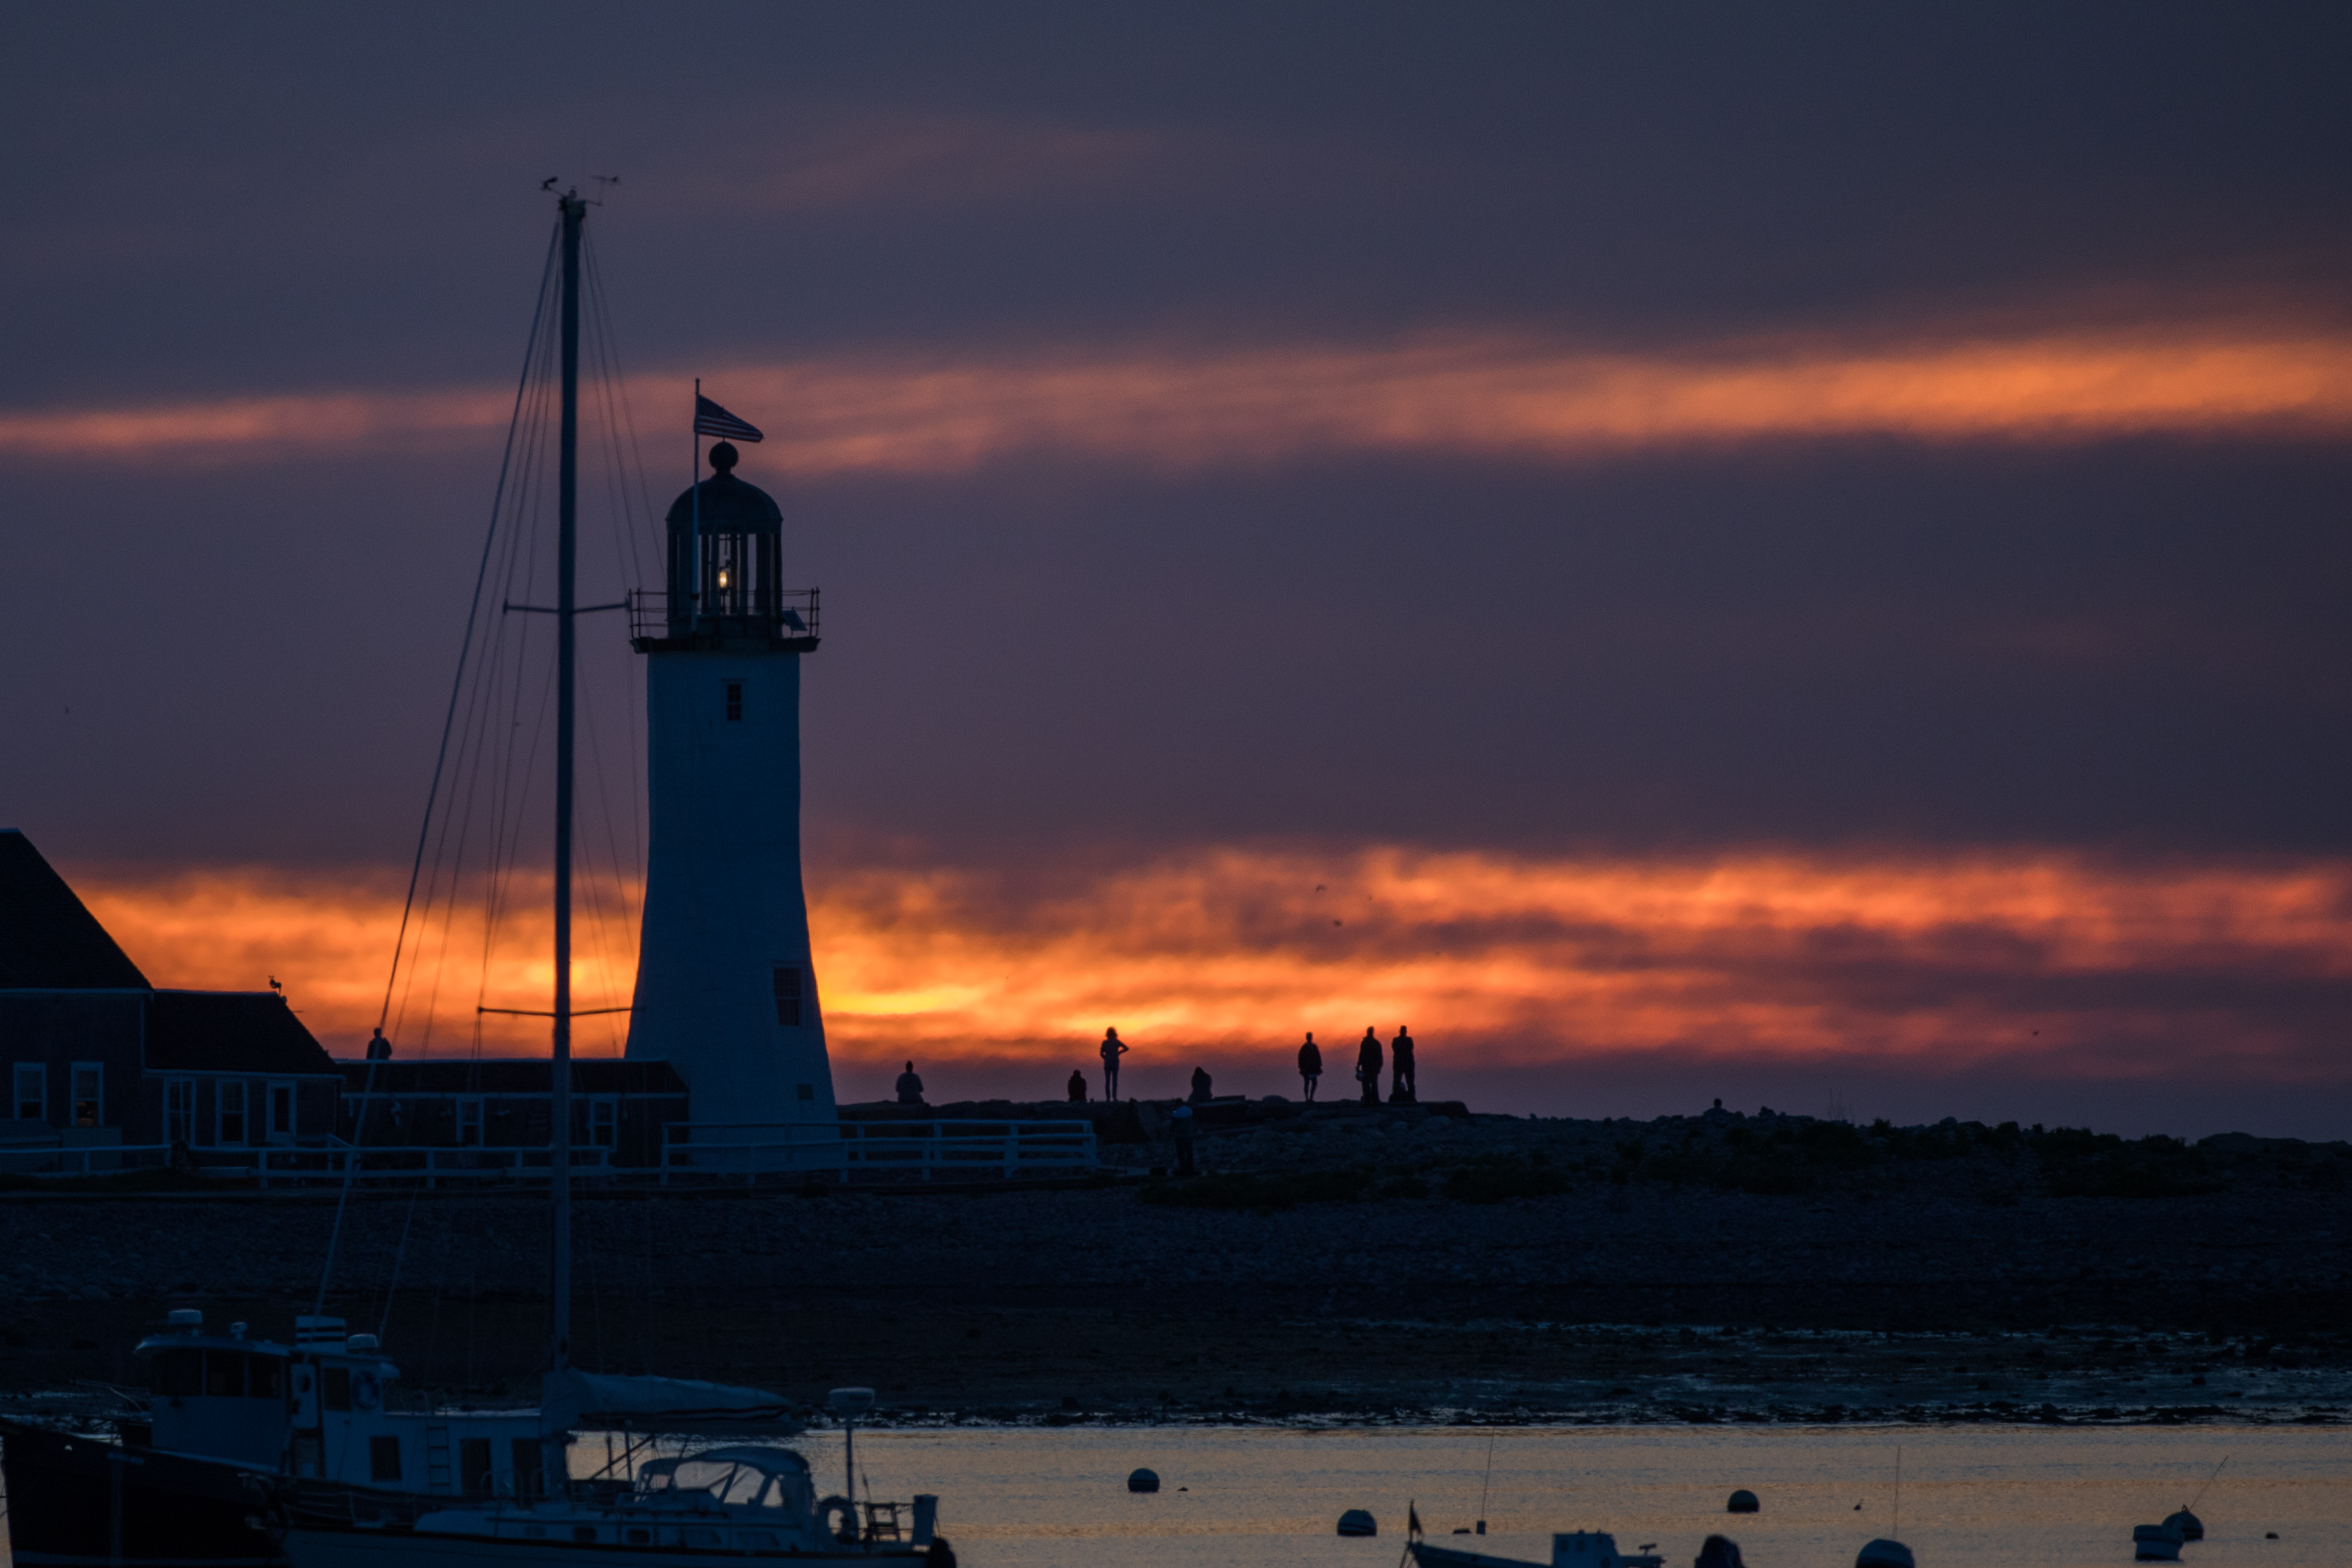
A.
x: 469, y: 1122
x: 89, y: 1095
x: 384, y: 1459
x: 179, y: 1110
x: 602, y: 1116
x: 734, y: 702
x: 230, y: 1119
x: 282, y: 1112
x: 788, y: 994
x: 32, y: 1091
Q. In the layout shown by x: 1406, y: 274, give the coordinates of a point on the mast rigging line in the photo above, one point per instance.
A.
x: 424, y: 829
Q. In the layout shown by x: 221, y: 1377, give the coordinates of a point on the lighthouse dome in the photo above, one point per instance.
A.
x: 724, y: 504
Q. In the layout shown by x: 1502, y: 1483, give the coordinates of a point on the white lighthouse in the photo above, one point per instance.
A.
x: 726, y: 993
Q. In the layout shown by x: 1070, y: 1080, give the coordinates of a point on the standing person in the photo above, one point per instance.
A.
x: 1113, y: 1047
x: 911, y: 1087
x: 1368, y: 1065
x: 1201, y: 1093
x: 1078, y: 1087
x: 379, y: 1049
x: 1403, y: 1090
x: 1310, y: 1065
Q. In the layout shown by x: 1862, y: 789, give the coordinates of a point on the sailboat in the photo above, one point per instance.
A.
x: 249, y: 1452
x: 743, y: 1498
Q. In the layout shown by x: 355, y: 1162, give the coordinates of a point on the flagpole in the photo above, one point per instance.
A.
x: 694, y: 539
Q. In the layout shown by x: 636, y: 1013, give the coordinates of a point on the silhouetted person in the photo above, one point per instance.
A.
x: 1113, y: 1047
x: 379, y: 1049
x: 911, y: 1087
x: 1200, y: 1086
x: 1718, y: 1551
x: 939, y: 1554
x: 1078, y: 1087
x: 1402, y: 1088
x: 1368, y: 1067
x: 1182, y: 1121
x: 1310, y: 1065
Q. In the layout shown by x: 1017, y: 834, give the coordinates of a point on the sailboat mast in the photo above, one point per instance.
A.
x: 559, y: 1163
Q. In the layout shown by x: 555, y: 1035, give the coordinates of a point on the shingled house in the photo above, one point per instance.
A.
x: 93, y: 1054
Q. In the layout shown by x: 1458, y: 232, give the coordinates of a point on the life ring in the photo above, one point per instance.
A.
x: 367, y: 1391
x: 848, y: 1510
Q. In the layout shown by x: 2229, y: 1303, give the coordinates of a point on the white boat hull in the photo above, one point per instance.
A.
x: 307, y: 1548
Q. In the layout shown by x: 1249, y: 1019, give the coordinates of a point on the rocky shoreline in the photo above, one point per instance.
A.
x: 1350, y: 1265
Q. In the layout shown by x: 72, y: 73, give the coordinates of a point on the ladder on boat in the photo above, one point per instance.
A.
x: 436, y: 1459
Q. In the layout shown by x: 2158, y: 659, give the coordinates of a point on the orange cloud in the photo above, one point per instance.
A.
x: 1479, y: 394
x: 1933, y: 963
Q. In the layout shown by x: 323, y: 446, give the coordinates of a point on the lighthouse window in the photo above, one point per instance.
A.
x: 734, y: 702
x: 788, y: 994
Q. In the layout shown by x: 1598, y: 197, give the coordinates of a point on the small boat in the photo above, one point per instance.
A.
x: 2156, y: 1544
x: 2192, y: 1528
x: 1570, y: 1549
x: 746, y: 1502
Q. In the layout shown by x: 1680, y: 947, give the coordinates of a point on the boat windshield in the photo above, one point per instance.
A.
x: 727, y: 1481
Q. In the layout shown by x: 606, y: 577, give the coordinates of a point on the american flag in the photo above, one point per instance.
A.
x: 709, y: 419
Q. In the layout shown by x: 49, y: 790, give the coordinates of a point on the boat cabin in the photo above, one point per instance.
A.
x: 320, y: 1410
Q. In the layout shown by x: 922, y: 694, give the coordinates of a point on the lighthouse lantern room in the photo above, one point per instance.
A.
x: 726, y: 993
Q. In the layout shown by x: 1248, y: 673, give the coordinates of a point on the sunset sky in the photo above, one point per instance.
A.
x: 1795, y: 555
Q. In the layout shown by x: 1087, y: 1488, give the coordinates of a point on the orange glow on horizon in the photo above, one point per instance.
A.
x: 1933, y: 962
x: 1482, y: 394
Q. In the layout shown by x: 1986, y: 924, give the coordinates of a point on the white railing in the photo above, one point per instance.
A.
x: 926, y: 1149
x: 296, y: 1164
x: 383, y: 1164
x: 54, y: 1160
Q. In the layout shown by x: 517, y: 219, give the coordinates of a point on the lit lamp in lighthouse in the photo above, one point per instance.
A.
x: 726, y: 992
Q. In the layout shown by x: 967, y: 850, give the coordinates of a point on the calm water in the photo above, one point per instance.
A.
x: 1989, y: 1497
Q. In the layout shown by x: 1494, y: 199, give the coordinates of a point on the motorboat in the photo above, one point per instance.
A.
x: 744, y: 1502
x: 1570, y: 1549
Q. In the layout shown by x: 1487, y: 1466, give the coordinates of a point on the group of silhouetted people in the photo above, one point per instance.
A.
x: 1401, y: 1084
x: 1397, y: 1057
x: 1371, y: 1059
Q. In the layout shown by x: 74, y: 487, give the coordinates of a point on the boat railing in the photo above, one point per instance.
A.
x: 926, y: 1151
x: 286, y: 1165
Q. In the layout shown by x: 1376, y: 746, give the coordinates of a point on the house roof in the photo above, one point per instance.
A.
x: 230, y: 1031
x: 508, y: 1075
x: 48, y: 941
